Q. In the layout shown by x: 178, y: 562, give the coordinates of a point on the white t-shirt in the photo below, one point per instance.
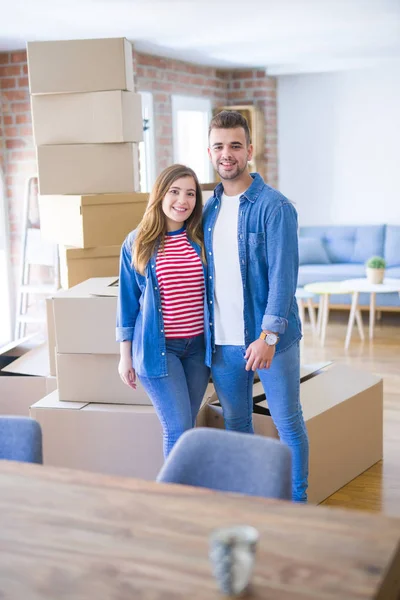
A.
x: 228, y: 296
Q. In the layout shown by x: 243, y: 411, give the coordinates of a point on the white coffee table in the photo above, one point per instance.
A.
x: 301, y: 296
x: 356, y: 286
x: 324, y: 289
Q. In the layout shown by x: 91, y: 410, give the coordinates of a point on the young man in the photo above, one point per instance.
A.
x: 250, y: 233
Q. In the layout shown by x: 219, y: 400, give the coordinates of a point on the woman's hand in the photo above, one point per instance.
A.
x: 127, y: 372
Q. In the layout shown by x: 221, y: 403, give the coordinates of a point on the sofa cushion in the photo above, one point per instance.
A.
x: 348, y: 243
x: 369, y: 242
x: 392, y: 245
x: 333, y: 272
x: 393, y: 272
x: 337, y: 240
x: 312, y: 252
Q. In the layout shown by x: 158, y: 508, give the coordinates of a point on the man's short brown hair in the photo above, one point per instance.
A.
x: 230, y: 119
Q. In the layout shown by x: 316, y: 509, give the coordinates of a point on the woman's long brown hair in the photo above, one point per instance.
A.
x: 153, y: 225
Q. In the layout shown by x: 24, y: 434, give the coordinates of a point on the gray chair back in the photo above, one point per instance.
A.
x: 231, y: 462
x: 20, y: 439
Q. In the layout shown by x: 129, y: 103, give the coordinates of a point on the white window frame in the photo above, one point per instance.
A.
x: 6, y: 312
x: 188, y: 103
x: 149, y: 139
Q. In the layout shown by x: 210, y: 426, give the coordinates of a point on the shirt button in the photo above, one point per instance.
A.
x: 209, y: 229
x: 241, y: 236
x: 210, y: 253
x: 152, y: 266
x: 242, y: 261
x: 210, y: 301
x: 210, y: 324
x: 162, y: 353
x: 210, y: 277
x: 159, y: 310
x: 162, y: 330
x: 216, y: 207
x: 155, y: 288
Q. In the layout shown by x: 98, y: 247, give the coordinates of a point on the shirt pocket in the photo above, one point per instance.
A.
x: 256, y: 239
x: 257, y: 247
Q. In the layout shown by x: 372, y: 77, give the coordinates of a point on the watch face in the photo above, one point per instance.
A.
x: 271, y: 339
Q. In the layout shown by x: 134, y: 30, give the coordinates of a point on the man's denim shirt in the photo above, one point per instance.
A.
x: 268, y: 256
x: 139, y: 314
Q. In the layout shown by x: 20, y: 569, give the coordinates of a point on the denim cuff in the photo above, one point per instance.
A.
x: 273, y: 323
x: 124, y: 334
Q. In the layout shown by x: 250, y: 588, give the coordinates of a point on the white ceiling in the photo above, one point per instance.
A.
x: 284, y: 36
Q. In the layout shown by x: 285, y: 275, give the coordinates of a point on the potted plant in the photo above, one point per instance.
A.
x: 375, y: 269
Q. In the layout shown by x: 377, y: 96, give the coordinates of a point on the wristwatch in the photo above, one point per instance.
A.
x: 271, y: 339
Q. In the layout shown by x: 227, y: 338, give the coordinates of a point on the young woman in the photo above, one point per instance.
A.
x: 162, y: 320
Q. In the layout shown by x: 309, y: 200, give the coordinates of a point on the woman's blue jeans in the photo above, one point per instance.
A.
x: 177, y: 397
x: 281, y: 383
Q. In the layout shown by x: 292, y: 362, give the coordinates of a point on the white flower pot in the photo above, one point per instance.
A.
x: 375, y: 276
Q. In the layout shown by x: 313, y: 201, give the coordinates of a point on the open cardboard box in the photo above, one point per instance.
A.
x: 343, y: 411
x: 24, y: 380
x: 104, y: 438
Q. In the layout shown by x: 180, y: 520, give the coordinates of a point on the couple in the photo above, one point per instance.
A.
x: 215, y: 289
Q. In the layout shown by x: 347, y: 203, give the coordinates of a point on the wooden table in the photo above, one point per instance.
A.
x: 72, y: 535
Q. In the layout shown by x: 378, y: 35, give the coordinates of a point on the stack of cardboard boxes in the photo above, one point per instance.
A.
x: 92, y: 420
x: 87, y: 125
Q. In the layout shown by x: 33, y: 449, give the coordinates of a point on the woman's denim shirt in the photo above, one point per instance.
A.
x: 139, y: 314
x: 268, y: 256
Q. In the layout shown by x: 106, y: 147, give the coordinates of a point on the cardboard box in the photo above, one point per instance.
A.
x: 95, y: 378
x: 78, y: 265
x: 90, y: 221
x: 88, y: 169
x: 25, y: 380
x: 343, y: 411
x: 92, y: 118
x: 80, y: 66
x: 77, y: 315
x: 110, y: 439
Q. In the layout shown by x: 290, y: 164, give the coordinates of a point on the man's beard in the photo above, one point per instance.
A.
x: 231, y: 174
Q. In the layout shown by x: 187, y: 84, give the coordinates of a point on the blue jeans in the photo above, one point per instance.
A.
x: 281, y: 383
x: 177, y: 396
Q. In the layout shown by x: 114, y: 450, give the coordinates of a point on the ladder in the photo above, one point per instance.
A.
x: 34, y: 251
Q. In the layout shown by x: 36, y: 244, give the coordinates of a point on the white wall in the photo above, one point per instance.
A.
x: 339, y: 146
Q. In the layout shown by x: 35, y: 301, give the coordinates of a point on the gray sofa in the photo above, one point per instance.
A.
x: 339, y: 252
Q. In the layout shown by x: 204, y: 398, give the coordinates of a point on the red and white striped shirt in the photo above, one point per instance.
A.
x: 181, y: 281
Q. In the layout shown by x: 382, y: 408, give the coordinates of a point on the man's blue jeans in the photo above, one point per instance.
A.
x: 281, y: 383
x: 177, y: 397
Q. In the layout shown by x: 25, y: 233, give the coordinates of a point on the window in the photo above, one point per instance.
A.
x: 190, y: 119
x: 146, y: 148
x: 5, y: 287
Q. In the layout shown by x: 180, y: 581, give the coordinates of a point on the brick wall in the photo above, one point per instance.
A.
x: 253, y: 86
x: 165, y: 77
x: 161, y: 76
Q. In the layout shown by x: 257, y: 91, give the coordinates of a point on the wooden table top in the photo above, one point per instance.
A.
x: 72, y: 535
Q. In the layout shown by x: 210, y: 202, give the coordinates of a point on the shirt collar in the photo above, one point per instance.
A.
x: 252, y: 192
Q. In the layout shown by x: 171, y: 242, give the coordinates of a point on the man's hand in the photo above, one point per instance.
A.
x: 259, y: 355
x: 127, y: 372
